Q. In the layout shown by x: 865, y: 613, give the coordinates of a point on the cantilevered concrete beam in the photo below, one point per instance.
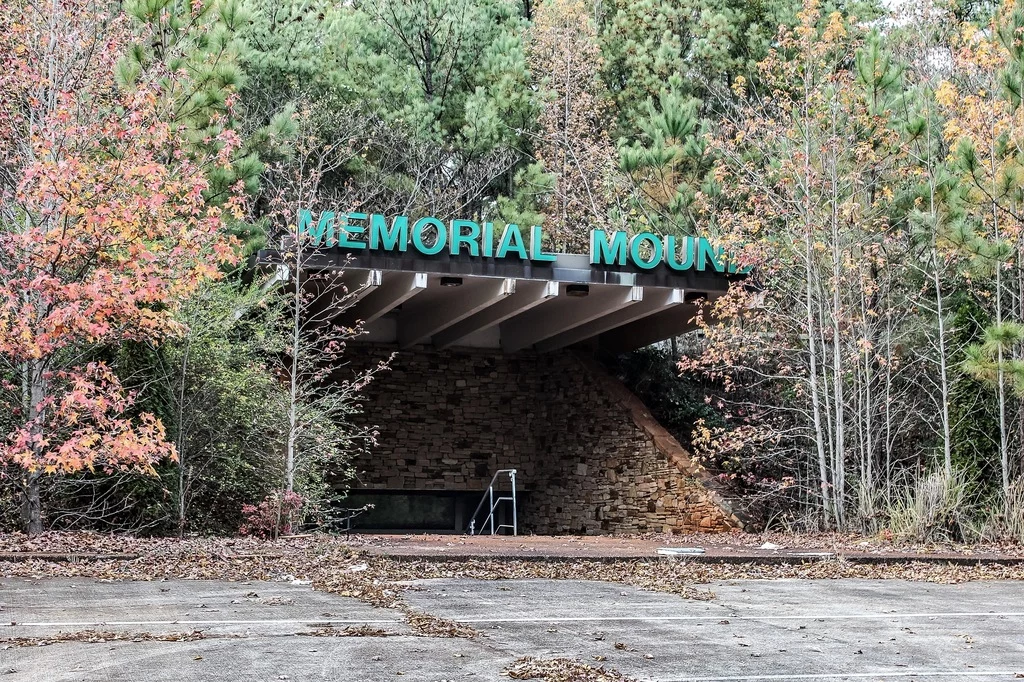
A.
x: 664, y: 325
x: 397, y: 288
x: 339, y: 296
x: 563, y: 315
x: 528, y: 294
x: 654, y: 301
x: 370, y: 283
x: 418, y: 324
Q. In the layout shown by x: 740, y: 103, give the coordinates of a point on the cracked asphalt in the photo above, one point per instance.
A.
x: 752, y: 630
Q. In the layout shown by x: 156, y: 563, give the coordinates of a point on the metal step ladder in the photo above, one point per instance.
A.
x: 493, y: 504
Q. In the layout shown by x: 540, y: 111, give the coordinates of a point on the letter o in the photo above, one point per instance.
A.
x: 439, y: 243
x: 657, y: 251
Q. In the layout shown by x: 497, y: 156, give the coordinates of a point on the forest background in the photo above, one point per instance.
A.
x: 864, y: 159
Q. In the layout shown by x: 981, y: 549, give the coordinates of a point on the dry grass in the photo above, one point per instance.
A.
x: 935, y: 508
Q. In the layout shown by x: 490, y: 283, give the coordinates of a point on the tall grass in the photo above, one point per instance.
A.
x: 935, y: 507
x: 1004, y: 520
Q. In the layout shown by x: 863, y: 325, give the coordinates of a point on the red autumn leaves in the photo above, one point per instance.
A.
x: 104, y: 230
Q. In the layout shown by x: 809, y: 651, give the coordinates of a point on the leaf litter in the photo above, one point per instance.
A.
x: 329, y: 564
x: 561, y: 670
x: 102, y: 637
x: 349, y: 631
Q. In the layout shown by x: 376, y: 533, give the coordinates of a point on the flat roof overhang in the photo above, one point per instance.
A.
x: 509, y: 304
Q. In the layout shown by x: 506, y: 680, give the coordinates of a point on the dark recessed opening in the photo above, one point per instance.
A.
x: 451, y: 281
x: 577, y: 289
x: 695, y: 296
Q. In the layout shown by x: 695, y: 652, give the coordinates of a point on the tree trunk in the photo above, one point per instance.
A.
x: 35, y: 396
x: 812, y: 373
x: 180, y: 444
x: 293, y: 393
x: 32, y: 506
x: 825, y: 487
x: 1004, y: 446
x: 839, y: 452
x: 428, y: 66
x: 947, y: 444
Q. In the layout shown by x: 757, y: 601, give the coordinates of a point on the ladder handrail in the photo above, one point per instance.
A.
x: 489, y: 495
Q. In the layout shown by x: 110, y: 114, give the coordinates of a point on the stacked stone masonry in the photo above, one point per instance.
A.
x: 588, y: 455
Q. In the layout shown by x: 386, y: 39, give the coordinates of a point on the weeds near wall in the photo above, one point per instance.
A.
x: 1004, y: 519
x: 936, y: 507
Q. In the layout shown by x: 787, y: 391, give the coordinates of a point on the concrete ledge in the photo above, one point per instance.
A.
x: 65, y: 556
x: 713, y: 559
x: 611, y: 549
x: 566, y: 549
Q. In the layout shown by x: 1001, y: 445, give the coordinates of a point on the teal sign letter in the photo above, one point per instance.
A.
x: 395, y: 238
x: 421, y: 226
x: 605, y: 251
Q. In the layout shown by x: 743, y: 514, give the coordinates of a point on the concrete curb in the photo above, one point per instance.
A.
x: 773, y: 560
x: 768, y: 560
x: 65, y: 556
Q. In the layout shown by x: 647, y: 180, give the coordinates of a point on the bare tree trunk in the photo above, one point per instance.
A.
x: 293, y: 396
x: 36, y: 383
x: 838, y: 414
x: 940, y: 314
x: 839, y: 453
x: 180, y: 445
x: 947, y: 439
x: 936, y: 271
x: 823, y: 481
x: 868, y: 442
x: 1004, y: 446
x: 887, y: 472
x: 32, y: 507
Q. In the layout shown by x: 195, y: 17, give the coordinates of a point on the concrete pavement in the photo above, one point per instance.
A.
x: 718, y: 548
x: 753, y: 630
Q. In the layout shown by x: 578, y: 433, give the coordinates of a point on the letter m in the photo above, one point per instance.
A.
x: 390, y: 239
x: 323, y: 228
x: 607, y: 251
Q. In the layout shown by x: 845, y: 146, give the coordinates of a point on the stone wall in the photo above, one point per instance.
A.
x: 588, y: 455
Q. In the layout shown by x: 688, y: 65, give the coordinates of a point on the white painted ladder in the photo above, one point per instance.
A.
x: 493, y: 503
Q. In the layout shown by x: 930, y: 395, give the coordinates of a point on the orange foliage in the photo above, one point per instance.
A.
x: 80, y: 425
x: 104, y: 230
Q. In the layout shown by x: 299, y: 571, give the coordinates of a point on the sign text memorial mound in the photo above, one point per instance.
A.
x: 430, y: 236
